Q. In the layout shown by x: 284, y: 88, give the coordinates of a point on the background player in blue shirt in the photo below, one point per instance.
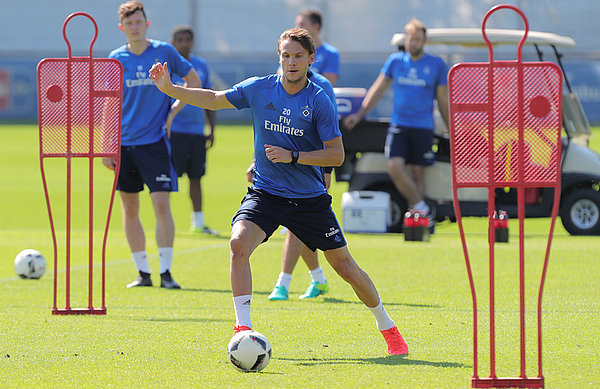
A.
x: 145, y: 155
x: 189, y: 144
x: 417, y: 78
x: 295, y: 133
x: 327, y: 57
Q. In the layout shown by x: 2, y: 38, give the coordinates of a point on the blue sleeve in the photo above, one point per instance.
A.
x: 442, y: 73
x: 206, y: 83
x: 387, y: 67
x: 177, y: 64
x: 325, y: 118
x: 240, y: 94
x: 332, y: 65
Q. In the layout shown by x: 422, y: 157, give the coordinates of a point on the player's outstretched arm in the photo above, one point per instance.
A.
x: 204, y: 98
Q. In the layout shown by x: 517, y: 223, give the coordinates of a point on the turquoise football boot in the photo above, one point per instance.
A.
x: 279, y: 293
x: 315, y: 289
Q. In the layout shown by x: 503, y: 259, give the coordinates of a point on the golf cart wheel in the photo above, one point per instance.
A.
x: 580, y: 212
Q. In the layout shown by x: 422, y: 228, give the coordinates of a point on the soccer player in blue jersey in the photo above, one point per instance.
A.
x: 295, y: 133
x: 293, y: 247
x: 188, y: 141
x: 324, y: 72
x: 145, y: 154
x: 417, y: 78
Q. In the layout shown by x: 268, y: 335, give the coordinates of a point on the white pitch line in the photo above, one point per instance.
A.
x: 125, y: 260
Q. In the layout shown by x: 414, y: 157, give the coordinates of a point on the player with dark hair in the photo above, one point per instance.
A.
x: 295, y: 133
x: 188, y: 141
x: 145, y: 154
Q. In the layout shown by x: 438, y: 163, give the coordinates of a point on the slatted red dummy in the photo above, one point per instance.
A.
x: 79, y: 114
x: 505, y: 126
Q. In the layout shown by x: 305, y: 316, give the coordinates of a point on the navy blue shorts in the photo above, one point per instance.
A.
x: 147, y: 164
x: 411, y: 144
x: 189, y: 154
x: 312, y: 220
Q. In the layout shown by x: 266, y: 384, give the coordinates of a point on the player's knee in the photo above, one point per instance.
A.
x: 161, y: 206
x: 345, y: 270
x: 239, y: 249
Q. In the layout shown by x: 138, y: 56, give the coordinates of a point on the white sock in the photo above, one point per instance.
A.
x: 317, y: 275
x: 284, y: 280
x: 241, y: 305
x: 421, y: 206
x: 198, y: 219
x: 141, y: 261
x: 165, y: 255
x: 384, y: 321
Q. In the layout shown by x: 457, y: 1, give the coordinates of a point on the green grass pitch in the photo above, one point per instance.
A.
x: 161, y: 338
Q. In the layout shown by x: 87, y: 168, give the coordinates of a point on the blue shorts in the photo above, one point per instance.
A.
x: 411, y: 144
x: 147, y: 164
x: 189, y: 154
x: 312, y: 220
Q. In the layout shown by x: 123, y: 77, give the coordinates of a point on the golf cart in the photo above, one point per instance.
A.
x: 365, y: 165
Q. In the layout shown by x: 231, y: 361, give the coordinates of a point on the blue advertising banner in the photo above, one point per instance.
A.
x: 18, y: 98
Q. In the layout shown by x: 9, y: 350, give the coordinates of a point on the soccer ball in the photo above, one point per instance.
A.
x: 30, y: 264
x: 249, y: 351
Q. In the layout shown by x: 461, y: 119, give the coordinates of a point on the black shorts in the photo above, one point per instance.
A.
x: 147, y: 164
x: 189, y: 154
x: 411, y: 144
x: 312, y: 220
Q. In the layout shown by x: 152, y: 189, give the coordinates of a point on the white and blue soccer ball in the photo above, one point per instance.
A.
x: 249, y: 351
x: 30, y: 264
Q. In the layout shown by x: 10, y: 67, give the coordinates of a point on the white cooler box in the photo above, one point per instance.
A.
x: 366, y: 211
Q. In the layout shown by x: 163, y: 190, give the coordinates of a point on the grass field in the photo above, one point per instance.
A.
x: 153, y: 337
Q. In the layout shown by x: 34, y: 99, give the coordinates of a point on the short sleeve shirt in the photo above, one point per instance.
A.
x: 414, y: 84
x: 145, y: 108
x: 302, y: 122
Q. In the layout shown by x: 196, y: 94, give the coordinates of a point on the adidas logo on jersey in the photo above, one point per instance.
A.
x: 270, y: 107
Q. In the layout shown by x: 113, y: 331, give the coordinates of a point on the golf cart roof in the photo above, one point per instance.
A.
x: 472, y: 37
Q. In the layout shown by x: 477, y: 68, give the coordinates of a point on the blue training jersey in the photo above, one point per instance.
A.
x: 415, y: 84
x: 190, y: 119
x: 145, y: 108
x: 327, y: 60
x: 302, y: 122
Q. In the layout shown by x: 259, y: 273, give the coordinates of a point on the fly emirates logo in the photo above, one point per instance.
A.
x: 284, y: 126
x: 140, y: 80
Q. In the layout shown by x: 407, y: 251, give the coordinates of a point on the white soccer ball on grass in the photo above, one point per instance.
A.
x: 249, y: 351
x: 30, y: 264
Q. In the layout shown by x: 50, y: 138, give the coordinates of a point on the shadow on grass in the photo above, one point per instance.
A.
x: 392, y: 360
x: 333, y: 300
x: 204, y: 290
x: 177, y: 319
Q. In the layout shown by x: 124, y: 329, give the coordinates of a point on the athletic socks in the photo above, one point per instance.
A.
x: 166, y: 258
x: 284, y: 280
x: 198, y: 219
x: 141, y: 261
x: 241, y: 304
x: 384, y: 322
x: 317, y: 275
